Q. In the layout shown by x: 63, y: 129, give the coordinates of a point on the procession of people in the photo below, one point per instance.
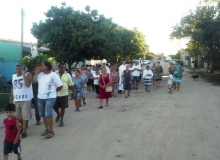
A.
x: 48, y: 90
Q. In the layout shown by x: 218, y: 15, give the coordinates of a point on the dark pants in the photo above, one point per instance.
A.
x: 97, y: 89
x: 35, y: 102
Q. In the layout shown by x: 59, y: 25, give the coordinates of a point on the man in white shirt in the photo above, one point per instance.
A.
x: 121, y: 70
x: 104, y: 61
x: 49, y: 84
x: 136, y: 69
x: 21, y: 95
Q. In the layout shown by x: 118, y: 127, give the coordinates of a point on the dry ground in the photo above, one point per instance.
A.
x: 146, y: 126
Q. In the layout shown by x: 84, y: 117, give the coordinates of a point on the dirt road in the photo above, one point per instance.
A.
x: 146, y: 126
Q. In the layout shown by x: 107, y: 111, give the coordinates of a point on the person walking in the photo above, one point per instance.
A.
x: 35, y: 103
x: 177, y: 75
x: 96, y: 84
x: 171, y: 69
x: 12, y: 133
x: 89, y: 77
x: 136, y: 69
x: 115, y: 76
x: 153, y: 70
x: 147, y: 76
x: 21, y: 95
x: 127, y: 81
x: 78, y: 83
x: 84, y: 89
x: 104, y: 64
x: 170, y: 81
x: 48, y: 84
x: 62, y: 96
x: 158, y: 74
x: 121, y: 70
x: 104, y: 81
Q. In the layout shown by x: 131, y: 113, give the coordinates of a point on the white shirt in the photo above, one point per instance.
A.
x: 47, y: 85
x: 96, y: 80
x: 93, y: 72
x: 121, y: 69
x: 20, y: 91
x: 146, y: 72
x: 136, y: 72
x: 108, y: 70
x: 170, y: 79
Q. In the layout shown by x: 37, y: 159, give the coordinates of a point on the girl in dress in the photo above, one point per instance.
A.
x: 177, y: 75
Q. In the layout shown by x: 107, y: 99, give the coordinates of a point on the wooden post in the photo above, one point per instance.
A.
x: 22, y: 21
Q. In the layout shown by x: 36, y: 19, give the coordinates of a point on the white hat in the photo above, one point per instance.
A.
x: 104, y: 61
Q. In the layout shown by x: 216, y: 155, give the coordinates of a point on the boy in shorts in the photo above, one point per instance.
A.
x: 170, y: 82
x: 12, y: 133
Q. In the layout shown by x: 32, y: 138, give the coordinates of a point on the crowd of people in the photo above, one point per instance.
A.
x: 48, y: 91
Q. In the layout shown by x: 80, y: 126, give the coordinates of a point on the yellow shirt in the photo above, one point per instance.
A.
x: 66, y: 81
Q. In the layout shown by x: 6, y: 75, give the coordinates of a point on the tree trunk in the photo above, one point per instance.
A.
x: 211, y: 67
x: 76, y: 64
x: 69, y: 65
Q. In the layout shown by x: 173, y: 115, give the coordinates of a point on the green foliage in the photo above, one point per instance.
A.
x: 201, y: 27
x: 74, y: 36
x: 4, y: 99
x: 31, y: 62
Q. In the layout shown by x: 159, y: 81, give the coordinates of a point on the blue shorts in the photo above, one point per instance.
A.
x: 136, y: 78
x: 9, y: 147
x: 45, y: 107
x: 77, y: 95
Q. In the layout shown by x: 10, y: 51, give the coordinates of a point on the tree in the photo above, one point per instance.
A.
x: 74, y: 36
x: 201, y: 27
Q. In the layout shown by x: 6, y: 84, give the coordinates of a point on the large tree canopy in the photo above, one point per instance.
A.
x: 202, y: 28
x: 74, y: 36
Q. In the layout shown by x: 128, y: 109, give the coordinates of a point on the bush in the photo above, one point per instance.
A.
x: 4, y: 99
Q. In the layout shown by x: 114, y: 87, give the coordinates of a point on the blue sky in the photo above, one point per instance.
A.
x: 154, y: 18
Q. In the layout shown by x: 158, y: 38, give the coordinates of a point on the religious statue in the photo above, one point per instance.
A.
x: 34, y: 52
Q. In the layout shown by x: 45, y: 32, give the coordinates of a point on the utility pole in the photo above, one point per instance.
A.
x: 22, y: 21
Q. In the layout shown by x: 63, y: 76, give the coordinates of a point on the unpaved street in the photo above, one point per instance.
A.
x: 146, y: 126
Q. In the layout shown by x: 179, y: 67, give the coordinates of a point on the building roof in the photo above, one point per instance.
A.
x: 26, y: 45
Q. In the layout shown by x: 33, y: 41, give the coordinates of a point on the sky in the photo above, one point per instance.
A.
x: 154, y: 18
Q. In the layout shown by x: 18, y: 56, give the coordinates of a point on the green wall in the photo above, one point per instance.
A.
x: 9, y: 51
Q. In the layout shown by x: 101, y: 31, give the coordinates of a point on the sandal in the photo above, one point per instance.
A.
x: 106, y: 105
x: 100, y: 107
x: 84, y: 103
x: 44, y: 133
x: 49, y: 135
x: 61, y: 124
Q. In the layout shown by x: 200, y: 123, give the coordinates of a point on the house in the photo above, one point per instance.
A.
x: 185, y: 57
x: 10, y: 54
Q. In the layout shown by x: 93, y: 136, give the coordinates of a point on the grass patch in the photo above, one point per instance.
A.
x: 209, y: 77
x: 4, y: 99
x: 4, y: 89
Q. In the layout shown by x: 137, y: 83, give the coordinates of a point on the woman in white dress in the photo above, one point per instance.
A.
x: 147, y: 76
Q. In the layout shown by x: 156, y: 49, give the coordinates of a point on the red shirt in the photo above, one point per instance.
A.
x: 10, y: 129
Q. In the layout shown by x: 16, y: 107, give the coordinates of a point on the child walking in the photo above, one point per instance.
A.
x: 170, y: 82
x: 12, y: 133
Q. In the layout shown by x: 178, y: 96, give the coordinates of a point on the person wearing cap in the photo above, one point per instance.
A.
x: 104, y: 61
x: 21, y: 96
x: 147, y: 76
